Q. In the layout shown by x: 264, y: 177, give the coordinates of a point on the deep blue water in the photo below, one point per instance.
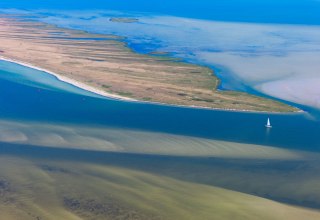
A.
x: 38, y: 102
x: 263, y: 11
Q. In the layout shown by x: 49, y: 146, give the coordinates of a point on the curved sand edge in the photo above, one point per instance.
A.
x: 70, y: 81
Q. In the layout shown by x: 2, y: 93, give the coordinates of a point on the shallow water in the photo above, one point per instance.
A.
x: 24, y: 96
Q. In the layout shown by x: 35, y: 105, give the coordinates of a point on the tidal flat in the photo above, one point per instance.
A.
x: 82, y: 172
x: 43, y: 183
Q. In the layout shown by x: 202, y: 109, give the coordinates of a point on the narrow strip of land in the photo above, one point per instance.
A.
x: 104, y: 65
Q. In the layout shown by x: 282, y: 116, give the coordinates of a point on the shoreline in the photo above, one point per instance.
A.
x: 108, y: 95
x: 70, y: 81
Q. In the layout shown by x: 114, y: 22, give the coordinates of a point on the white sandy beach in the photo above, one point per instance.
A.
x: 71, y: 81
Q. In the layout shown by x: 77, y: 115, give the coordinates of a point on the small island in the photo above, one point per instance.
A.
x: 124, y: 20
x: 159, y: 53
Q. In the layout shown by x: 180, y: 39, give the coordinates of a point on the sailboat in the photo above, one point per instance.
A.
x: 268, y: 125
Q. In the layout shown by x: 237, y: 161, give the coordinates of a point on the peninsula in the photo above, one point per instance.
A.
x: 103, y: 64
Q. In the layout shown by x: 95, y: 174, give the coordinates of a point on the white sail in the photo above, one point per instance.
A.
x: 268, y: 125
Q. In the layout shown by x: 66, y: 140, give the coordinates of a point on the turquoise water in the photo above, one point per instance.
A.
x: 22, y: 99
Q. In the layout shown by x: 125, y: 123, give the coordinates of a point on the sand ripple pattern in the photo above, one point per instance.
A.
x: 131, y: 141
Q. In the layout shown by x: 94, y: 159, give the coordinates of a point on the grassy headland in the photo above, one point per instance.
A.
x: 106, y: 64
